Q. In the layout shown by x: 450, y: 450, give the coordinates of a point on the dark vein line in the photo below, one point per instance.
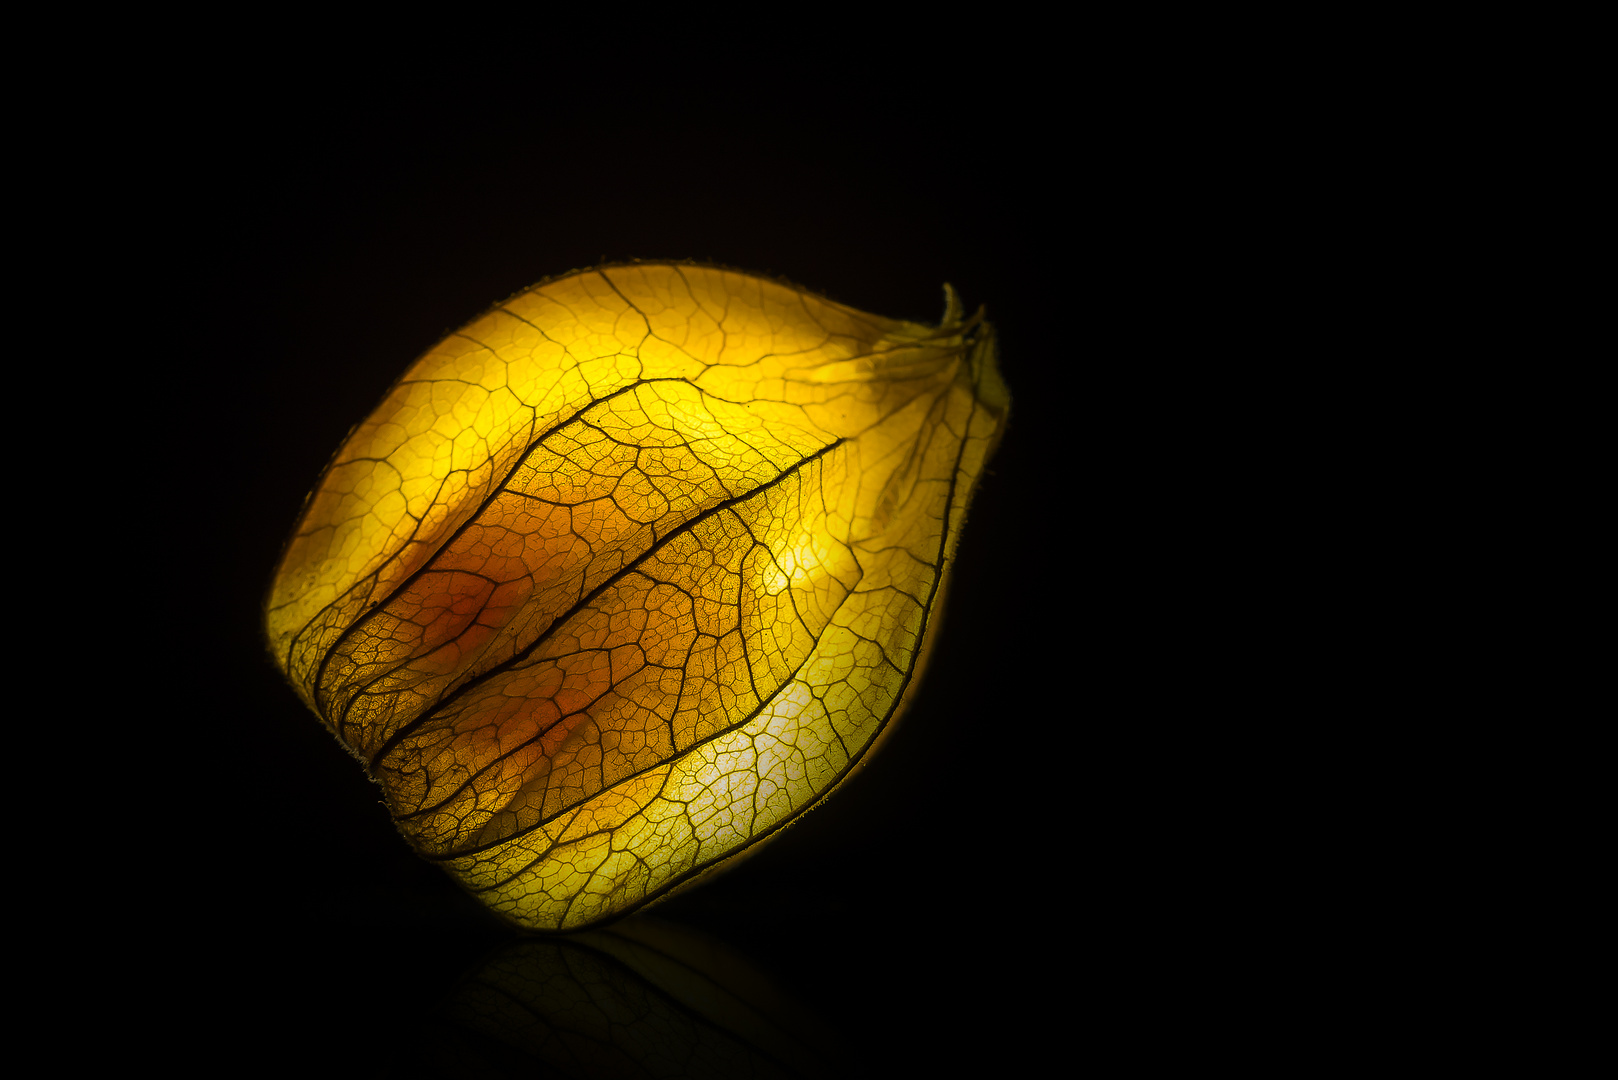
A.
x: 705, y: 740
x: 585, y: 601
x: 495, y: 492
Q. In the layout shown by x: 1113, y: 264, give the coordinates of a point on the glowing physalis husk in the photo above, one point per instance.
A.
x: 632, y: 570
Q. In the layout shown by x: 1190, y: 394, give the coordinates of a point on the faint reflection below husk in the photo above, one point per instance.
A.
x: 641, y: 998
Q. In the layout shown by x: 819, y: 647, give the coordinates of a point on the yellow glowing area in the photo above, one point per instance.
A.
x: 631, y: 570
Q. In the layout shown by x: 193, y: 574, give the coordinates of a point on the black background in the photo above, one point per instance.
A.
x: 937, y: 911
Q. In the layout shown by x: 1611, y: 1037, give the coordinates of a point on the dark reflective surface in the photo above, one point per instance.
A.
x: 643, y: 998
